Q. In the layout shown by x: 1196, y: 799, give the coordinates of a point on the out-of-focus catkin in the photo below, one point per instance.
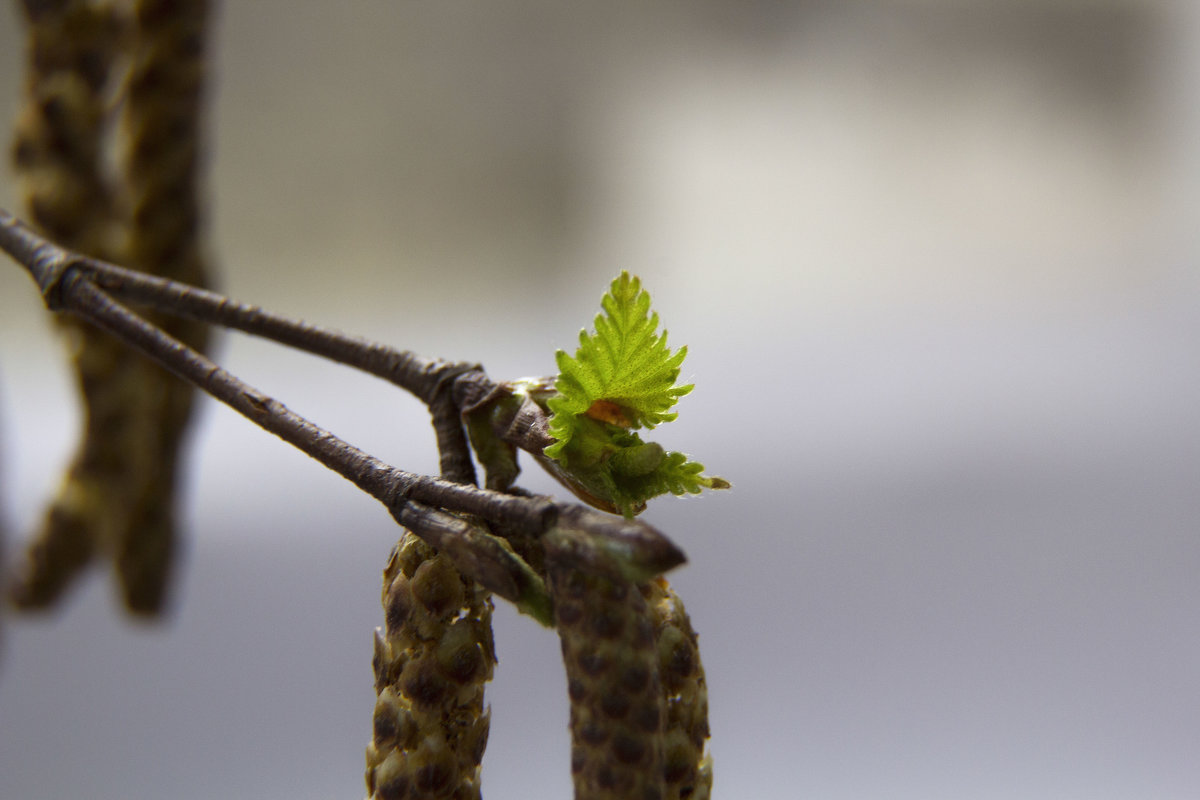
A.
x: 58, y: 155
x: 432, y: 659
x: 687, y: 767
x: 162, y: 125
x: 141, y: 209
x: 617, y: 708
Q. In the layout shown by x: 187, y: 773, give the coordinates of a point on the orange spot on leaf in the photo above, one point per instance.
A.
x: 610, y: 412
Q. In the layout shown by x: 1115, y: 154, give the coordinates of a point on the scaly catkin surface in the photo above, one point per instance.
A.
x: 432, y: 659
x: 687, y: 769
x: 161, y: 162
x: 617, y: 708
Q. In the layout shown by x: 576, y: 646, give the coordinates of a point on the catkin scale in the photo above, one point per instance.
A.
x: 431, y: 661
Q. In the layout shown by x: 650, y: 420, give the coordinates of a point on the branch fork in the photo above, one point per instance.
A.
x: 586, y: 539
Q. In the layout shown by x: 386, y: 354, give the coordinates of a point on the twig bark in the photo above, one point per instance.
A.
x: 591, y: 540
x: 639, y: 707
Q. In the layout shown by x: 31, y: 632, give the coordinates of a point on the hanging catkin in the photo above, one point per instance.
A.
x: 161, y: 166
x: 432, y: 659
x: 58, y: 158
x: 687, y: 767
x: 617, y: 704
x: 118, y: 495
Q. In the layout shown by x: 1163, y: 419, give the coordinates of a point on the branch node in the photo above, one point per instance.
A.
x: 51, y: 267
x: 55, y: 272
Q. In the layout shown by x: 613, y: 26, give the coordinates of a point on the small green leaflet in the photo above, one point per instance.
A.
x: 623, y: 376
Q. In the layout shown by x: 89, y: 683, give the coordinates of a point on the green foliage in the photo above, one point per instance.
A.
x: 623, y: 376
x: 626, y: 362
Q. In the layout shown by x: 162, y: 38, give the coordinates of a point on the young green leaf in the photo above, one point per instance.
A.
x: 624, y: 373
x: 623, y: 376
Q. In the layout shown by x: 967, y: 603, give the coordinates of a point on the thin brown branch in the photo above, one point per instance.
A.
x: 448, y: 388
x: 419, y: 376
x: 590, y: 540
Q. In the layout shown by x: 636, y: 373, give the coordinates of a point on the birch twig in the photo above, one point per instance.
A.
x: 600, y: 543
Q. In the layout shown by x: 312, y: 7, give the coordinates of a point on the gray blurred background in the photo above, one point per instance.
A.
x: 936, y: 266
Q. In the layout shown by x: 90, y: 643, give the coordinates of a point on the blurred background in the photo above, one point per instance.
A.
x: 936, y: 266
